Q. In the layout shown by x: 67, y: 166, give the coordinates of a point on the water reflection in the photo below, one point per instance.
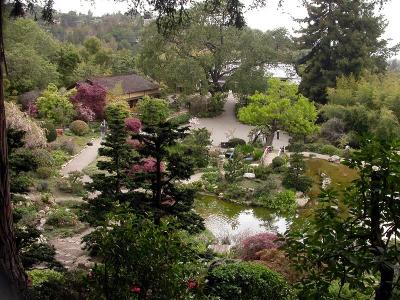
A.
x: 231, y: 222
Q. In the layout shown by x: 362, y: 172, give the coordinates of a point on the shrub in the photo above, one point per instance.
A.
x: 263, y: 172
x: 43, y: 158
x: 79, y: 127
x: 248, y: 249
x: 181, y: 119
x: 42, y: 186
x: 277, y: 260
x: 23, y: 160
x: 68, y: 146
x: 44, y: 172
x: 51, y: 133
x: 245, y: 149
x: 61, y: 217
x: 283, y: 202
x: 232, y: 143
x: 278, y: 162
x: 39, y: 253
x: 333, y: 130
x: 39, y: 276
x: 244, y: 280
x: 133, y: 125
x: 258, y: 153
x: 21, y: 183
x: 59, y: 157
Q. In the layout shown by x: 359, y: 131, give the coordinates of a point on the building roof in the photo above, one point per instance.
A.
x: 131, y: 83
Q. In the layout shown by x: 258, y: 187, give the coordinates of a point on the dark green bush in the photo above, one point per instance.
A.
x: 23, y: 160
x: 278, y: 162
x: 181, y: 119
x: 263, y: 172
x: 43, y: 158
x: 21, y: 183
x: 44, y: 172
x: 232, y: 143
x: 244, y: 281
x: 51, y: 133
x: 79, y: 127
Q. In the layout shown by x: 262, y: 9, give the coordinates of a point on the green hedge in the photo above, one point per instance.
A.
x: 246, y: 281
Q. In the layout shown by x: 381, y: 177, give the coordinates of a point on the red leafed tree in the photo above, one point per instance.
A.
x: 250, y: 246
x: 91, y: 96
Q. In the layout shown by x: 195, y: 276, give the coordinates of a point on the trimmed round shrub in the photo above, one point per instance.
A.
x: 248, y: 249
x: 51, y: 133
x: 232, y: 143
x: 44, y: 172
x: 244, y: 280
x: 79, y: 127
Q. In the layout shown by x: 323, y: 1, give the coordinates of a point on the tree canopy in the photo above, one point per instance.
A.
x: 340, y: 38
x: 281, y: 107
x: 204, y: 54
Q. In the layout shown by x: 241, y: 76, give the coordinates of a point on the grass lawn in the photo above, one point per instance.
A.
x: 341, y: 175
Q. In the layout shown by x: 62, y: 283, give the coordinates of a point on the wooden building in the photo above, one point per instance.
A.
x: 134, y: 87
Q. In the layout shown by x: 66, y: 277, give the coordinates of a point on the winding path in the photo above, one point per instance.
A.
x: 225, y: 126
x: 82, y: 160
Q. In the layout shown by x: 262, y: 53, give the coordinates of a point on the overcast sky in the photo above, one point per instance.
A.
x: 266, y: 18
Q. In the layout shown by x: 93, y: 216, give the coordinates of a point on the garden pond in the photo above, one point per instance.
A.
x: 230, y: 222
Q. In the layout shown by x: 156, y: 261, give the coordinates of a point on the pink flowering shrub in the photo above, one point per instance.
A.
x: 32, y: 110
x: 84, y: 113
x: 133, y: 124
x: 146, y: 165
x: 250, y: 247
x: 92, y: 96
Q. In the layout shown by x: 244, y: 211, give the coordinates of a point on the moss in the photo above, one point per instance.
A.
x: 341, y: 175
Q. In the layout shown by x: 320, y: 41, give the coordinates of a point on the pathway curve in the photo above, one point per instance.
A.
x: 82, y: 160
x: 225, y: 126
x: 69, y: 250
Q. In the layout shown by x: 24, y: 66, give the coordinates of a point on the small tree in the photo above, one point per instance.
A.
x: 138, y: 256
x: 294, y: 176
x: 120, y: 157
x: 91, y: 96
x: 354, y: 242
x: 281, y: 107
x: 55, y: 106
x: 161, y: 163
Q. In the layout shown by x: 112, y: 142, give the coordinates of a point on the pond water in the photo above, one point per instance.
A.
x: 230, y: 222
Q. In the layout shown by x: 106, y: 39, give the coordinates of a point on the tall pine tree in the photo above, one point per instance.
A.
x: 342, y: 37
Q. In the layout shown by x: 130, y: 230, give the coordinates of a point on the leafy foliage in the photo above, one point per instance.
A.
x: 347, y: 42
x: 136, y: 253
x: 79, y: 127
x: 352, y: 241
x: 294, y: 177
x: 251, y: 246
x: 91, y: 96
x: 281, y: 107
x: 246, y: 280
x: 55, y: 106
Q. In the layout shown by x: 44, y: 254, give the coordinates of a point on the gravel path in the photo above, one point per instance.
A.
x: 82, y: 160
x: 225, y: 126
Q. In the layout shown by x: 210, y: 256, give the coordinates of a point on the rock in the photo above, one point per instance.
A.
x: 254, y: 165
x: 249, y: 175
x: 334, y: 158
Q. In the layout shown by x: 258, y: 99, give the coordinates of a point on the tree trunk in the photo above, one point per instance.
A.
x: 13, y: 280
x: 386, y: 270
